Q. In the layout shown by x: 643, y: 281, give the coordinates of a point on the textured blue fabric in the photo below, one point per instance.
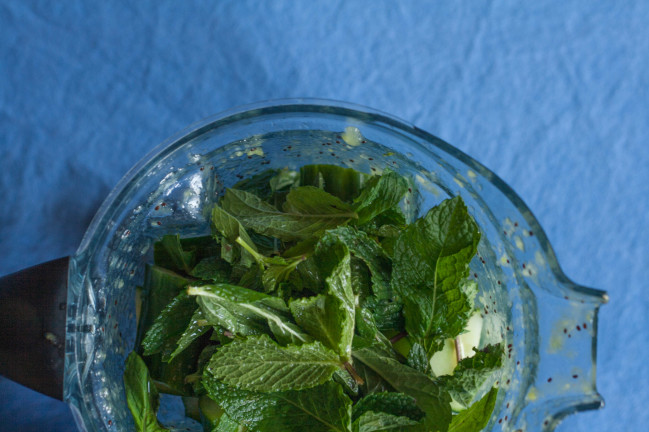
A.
x: 551, y: 95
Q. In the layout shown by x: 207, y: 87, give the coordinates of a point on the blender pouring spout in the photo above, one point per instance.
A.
x: 564, y: 379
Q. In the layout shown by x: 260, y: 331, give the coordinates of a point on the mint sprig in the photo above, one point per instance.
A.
x: 431, y: 259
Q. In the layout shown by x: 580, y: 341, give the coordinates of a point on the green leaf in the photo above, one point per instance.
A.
x: 275, y: 269
x: 161, y: 286
x: 169, y: 377
x: 387, y: 224
x: 431, y: 260
x: 379, y: 194
x: 309, y: 276
x: 247, y: 312
x: 279, y: 272
x: 196, y: 328
x: 363, y: 247
x: 141, y: 395
x: 285, y: 178
x: 323, y: 408
x: 387, y: 314
x: 366, y: 328
x: 259, y: 184
x: 265, y: 245
x: 344, y: 183
x: 387, y: 227
x: 431, y: 398
x: 250, y: 279
x: 334, y: 262
x: 203, y: 360
x: 231, y: 230
x: 372, y: 382
x: 372, y: 421
x: 477, y: 416
x: 181, y: 259
x: 361, y: 279
x: 324, y: 317
x: 387, y: 311
x: 259, y: 364
x: 213, y: 269
x: 388, y: 244
x: 226, y: 424
x: 307, y: 211
x: 302, y: 248
x: 397, y: 404
x: 348, y: 382
x: 472, y: 372
x: 178, y: 254
x: 418, y: 359
x: 202, y: 246
x: 169, y: 326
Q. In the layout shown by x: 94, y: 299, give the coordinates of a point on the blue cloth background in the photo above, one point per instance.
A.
x: 551, y: 95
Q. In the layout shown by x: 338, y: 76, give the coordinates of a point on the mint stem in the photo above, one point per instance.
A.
x: 398, y: 337
x: 350, y: 369
x: 459, y: 350
x: 252, y: 252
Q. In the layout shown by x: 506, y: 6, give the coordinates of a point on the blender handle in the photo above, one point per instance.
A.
x: 32, y: 326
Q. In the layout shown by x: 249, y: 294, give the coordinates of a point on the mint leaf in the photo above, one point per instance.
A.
x: 161, y: 286
x: 247, y: 312
x: 431, y: 259
x: 379, y: 194
x: 334, y: 262
x: 344, y: 183
x: 275, y: 269
x: 302, y: 248
x: 366, y: 328
x: 182, y: 260
x: 259, y: 184
x: 169, y: 376
x: 348, y: 382
x: 226, y: 424
x: 363, y: 247
x: 361, y: 279
x: 265, y: 245
x: 259, y: 364
x: 388, y: 314
x: 231, y: 230
x: 285, y: 178
x: 196, y: 328
x: 324, y: 317
x: 323, y: 408
x: 218, y: 309
x: 386, y: 310
x: 307, y: 275
x: 307, y: 211
x: 372, y: 421
x: 211, y: 268
x: 397, y: 404
x: 278, y: 273
x: 430, y: 397
x: 372, y: 382
x: 169, y: 326
x: 387, y: 224
x: 141, y: 395
x: 471, y: 373
x: 477, y: 416
x: 418, y: 359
